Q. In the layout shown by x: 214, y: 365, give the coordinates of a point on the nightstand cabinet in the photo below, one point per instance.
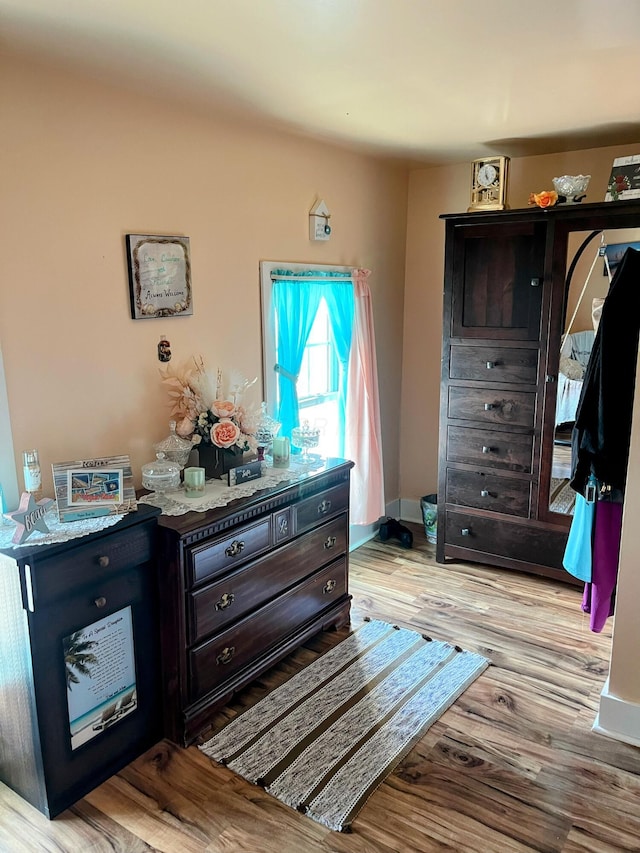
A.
x: 62, y: 733
x: 245, y: 584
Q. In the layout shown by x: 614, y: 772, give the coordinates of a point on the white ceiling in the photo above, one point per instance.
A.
x: 428, y: 81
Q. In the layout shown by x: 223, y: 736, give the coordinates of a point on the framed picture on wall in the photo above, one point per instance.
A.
x: 159, y: 276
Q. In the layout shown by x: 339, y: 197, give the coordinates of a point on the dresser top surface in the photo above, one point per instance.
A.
x: 331, y: 472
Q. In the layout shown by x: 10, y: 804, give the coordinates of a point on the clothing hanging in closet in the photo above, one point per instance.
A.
x: 602, y: 430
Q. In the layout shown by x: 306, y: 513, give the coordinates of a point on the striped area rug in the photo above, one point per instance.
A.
x: 323, y: 741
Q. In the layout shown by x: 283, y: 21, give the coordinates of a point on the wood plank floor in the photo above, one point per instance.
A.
x: 512, y: 766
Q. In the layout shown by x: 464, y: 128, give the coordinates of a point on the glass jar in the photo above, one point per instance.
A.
x: 161, y: 474
x: 175, y: 448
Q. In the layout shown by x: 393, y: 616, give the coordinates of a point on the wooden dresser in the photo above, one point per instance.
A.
x: 243, y: 585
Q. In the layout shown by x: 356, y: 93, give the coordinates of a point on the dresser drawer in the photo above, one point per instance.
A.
x: 220, y: 555
x: 313, y: 510
x: 504, y: 538
x: 225, y: 655
x: 86, y: 565
x: 494, y: 364
x: 217, y: 605
x: 512, y: 408
x: 510, y: 451
x: 489, y: 491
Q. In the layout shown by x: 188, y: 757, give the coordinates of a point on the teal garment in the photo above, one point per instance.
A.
x: 577, y: 555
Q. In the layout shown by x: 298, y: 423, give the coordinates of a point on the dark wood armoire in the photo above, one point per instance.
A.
x: 505, y: 304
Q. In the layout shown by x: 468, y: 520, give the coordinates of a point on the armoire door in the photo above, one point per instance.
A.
x: 497, y: 276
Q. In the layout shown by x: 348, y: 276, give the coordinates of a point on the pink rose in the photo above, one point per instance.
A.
x: 223, y: 408
x: 225, y: 433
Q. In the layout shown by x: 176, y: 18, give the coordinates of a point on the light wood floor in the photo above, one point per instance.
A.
x: 512, y: 766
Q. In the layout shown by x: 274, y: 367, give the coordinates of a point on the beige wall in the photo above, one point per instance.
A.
x: 83, y: 164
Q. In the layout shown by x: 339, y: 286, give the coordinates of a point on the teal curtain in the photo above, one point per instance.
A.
x: 340, y: 302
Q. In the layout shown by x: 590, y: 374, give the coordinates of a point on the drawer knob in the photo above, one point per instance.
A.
x: 101, y: 601
x: 329, y: 587
x: 491, y: 365
x: 283, y: 525
x: 489, y: 406
x: 236, y: 547
x: 487, y: 449
x: 324, y: 507
x: 466, y: 531
x: 484, y: 493
x: 535, y: 282
x: 103, y: 561
x: 330, y: 542
x: 225, y: 600
x: 225, y: 655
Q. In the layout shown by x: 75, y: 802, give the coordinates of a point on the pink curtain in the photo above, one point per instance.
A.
x: 362, y: 440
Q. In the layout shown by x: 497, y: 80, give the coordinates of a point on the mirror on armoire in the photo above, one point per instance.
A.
x: 592, y: 258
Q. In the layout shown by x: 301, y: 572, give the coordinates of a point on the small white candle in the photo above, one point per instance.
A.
x: 193, y: 482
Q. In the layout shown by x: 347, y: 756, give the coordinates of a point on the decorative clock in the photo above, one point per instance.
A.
x: 489, y: 183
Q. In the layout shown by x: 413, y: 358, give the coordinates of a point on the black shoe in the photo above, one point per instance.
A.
x: 390, y: 527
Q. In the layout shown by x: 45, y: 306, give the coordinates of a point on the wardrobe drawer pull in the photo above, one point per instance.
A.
x: 324, y: 507
x: 466, y: 531
x: 329, y: 587
x: 236, y: 547
x: 535, y: 282
x: 484, y: 493
x: 487, y: 449
x: 489, y: 406
x: 100, y: 602
x: 491, y: 365
x: 330, y: 541
x: 103, y: 561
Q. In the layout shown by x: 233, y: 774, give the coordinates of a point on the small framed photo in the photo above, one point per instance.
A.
x: 159, y: 276
x: 624, y: 180
x: 90, y: 488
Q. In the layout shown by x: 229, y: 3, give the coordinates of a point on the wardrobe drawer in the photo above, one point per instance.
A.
x: 512, y: 408
x: 226, y: 654
x: 215, y: 606
x: 505, y: 538
x: 494, y: 364
x: 313, y: 510
x: 227, y: 552
x: 490, y: 449
x: 489, y: 491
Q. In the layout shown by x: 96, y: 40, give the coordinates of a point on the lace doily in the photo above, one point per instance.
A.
x: 218, y: 493
x: 59, y: 531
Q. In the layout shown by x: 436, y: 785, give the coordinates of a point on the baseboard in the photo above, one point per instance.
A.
x: 409, y: 510
x: 618, y: 718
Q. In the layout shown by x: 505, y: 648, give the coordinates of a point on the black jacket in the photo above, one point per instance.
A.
x: 602, y: 430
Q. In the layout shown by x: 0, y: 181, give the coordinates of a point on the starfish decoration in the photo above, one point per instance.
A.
x: 29, y: 517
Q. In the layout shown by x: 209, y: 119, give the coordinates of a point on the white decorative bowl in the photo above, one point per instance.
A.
x: 572, y: 187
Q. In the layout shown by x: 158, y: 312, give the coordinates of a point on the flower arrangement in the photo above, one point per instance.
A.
x: 201, y: 411
x: 547, y: 198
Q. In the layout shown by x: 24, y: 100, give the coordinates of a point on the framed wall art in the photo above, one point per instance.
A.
x: 90, y: 488
x: 159, y: 276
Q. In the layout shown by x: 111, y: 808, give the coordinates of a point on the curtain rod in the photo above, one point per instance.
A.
x: 341, y: 277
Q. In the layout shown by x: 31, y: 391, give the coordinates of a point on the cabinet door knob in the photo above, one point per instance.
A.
x: 330, y: 541
x: 484, y: 493
x: 103, y: 561
x: 466, y: 531
x: 225, y: 655
x: 236, y: 547
x: 324, y: 507
x: 225, y: 600
x: 101, y: 601
x: 329, y: 587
